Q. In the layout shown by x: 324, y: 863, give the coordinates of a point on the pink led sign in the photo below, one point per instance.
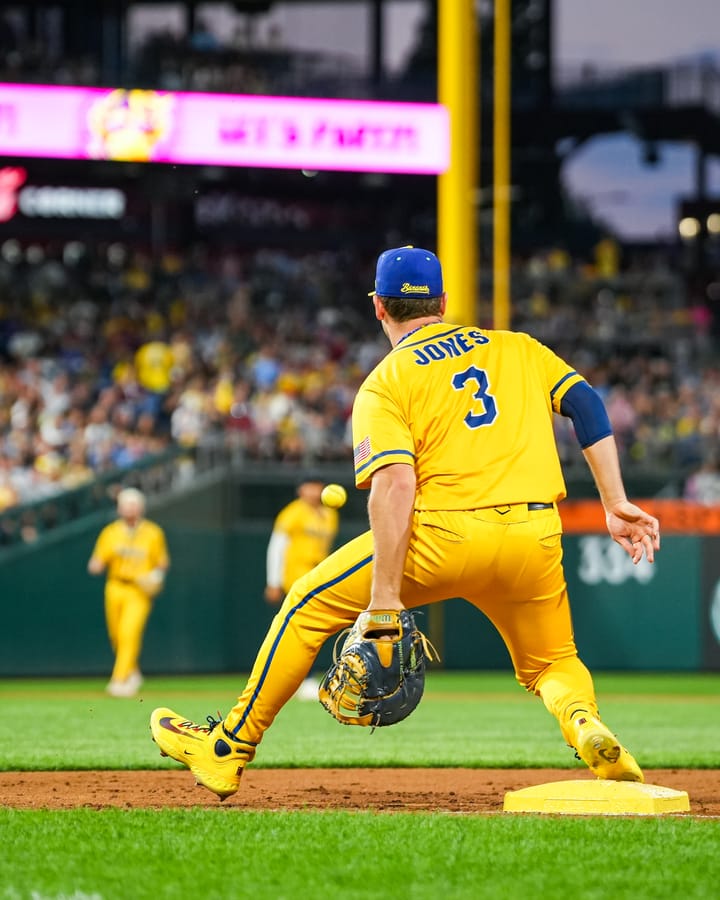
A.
x: 223, y: 129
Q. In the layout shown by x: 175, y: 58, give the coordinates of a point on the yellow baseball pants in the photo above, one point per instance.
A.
x: 126, y: 613
x: 506, y: 561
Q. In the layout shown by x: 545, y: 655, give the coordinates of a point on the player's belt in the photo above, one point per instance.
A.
x: 534, y: 506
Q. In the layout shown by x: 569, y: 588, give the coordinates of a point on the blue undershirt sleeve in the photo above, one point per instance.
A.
x: 584, y: 406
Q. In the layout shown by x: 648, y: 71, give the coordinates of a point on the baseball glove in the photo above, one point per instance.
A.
x: 379, y: 677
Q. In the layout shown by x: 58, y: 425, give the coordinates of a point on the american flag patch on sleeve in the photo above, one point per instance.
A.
x: 362, y: 451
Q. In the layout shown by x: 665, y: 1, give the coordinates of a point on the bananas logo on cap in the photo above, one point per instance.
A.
x: 415, y: 288
x: 408, y: 272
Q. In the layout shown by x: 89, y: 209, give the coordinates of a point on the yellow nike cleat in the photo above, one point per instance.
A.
x: 601, y: 751
x: 214, y: 757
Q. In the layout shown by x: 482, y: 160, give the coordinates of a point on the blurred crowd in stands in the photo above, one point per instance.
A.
x: 108, y: 356
x: 647, y: 347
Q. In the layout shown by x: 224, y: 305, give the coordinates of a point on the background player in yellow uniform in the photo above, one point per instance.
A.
x: 302, y: 535
x: 133, y: 551
x: 453, y: 435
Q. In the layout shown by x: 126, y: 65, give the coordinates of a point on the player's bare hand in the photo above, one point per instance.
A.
x: 637, y: 532
x: 273, y: 595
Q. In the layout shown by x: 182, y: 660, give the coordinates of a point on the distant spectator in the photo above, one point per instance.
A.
x: 703, y: 486
x: 154, y: 365
x: 202, y: 37
x: 8, y: 494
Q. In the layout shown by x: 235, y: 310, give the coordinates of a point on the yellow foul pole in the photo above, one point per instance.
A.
x: 458, y: 90
x: 501, y: 167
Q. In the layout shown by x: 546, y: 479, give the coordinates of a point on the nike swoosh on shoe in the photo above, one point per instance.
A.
x: 166, y: 723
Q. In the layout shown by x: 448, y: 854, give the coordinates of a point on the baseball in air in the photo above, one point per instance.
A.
x: 334, y: 496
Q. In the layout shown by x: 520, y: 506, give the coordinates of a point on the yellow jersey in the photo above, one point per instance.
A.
x: 471, y: 409
x: 129, y: 553
x: 153, y: 364
x: 310, y: 531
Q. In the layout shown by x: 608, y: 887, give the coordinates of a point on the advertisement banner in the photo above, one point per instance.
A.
x: 676, y: 516
x: 223, y: 129
x: 85, y: 206
x: 56, y: 201
x: 648, y: 616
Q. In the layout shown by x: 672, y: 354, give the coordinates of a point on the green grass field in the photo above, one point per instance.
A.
x: 478, y: 720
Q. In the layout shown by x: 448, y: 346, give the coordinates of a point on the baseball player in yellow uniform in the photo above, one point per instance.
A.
x: 133, y: 552
x: 302, y: 535
x: 453, y: 436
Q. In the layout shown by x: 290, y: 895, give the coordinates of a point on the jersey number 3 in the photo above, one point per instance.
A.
x: 477, y: 420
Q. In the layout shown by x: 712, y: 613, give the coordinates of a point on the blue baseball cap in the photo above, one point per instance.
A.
x: 408, y: 272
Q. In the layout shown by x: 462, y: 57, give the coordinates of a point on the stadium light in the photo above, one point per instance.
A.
x: 689, y: 228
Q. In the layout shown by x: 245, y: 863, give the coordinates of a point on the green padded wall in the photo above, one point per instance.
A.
x: 212, y: 615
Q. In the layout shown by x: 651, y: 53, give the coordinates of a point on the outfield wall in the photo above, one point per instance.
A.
x: 212, y: 616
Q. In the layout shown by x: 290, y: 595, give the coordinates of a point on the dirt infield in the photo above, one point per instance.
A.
x: 388, y: 790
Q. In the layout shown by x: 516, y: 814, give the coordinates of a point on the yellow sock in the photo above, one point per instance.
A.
x: 565, y: 687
